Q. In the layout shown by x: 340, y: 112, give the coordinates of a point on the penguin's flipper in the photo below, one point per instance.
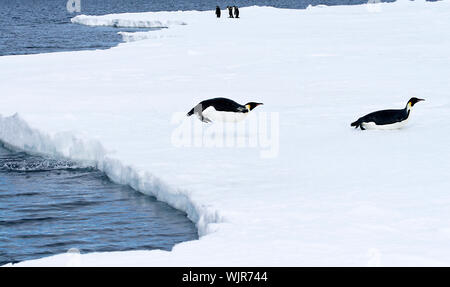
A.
x: 356, y: 124
x: 242, y: 110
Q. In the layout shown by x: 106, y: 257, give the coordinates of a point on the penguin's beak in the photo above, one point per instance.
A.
x: 419, y: 100
x: 259, y: 104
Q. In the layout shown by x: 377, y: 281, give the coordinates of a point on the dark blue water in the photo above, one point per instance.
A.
x: 41, y: 26
x: 49, y: 206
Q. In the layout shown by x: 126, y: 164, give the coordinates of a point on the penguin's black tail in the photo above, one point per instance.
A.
x: 356, y: 124
x: 191, y: 112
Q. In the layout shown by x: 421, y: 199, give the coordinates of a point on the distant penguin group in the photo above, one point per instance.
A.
x: 233, y: 12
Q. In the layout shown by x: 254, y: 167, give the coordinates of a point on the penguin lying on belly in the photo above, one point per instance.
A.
x: 222, y: 109
x: 386, y: 119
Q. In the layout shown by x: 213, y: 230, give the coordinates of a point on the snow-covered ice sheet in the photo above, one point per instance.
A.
x: 133, y: 20
x: 330, y: 195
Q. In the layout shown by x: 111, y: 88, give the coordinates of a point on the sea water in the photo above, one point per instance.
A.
x: 50, y: 206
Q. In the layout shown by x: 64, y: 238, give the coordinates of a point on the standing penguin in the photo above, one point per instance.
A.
x: 236, y: 12
x: 218, y: 11
x: 230, y: 11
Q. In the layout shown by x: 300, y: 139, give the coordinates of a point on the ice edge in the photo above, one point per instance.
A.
x: 105, y: 21
x: 17, y: 134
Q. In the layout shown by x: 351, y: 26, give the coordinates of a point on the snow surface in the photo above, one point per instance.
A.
x: 331, y: 195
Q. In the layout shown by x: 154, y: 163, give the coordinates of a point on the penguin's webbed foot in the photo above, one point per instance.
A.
x: 205, y: 120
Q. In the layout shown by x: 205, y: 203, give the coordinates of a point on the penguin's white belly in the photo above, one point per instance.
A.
x: 394, y: 126
x: 214, y: 115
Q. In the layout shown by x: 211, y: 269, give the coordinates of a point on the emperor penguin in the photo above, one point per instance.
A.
x: 218, y: 12
x: 222, y: 109
x: 386, y: 119
x: 230, y: 11
x: 236, y: 12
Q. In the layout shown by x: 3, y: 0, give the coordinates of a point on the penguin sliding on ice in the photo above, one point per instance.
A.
x: 386, y: 119
x: 222, y: 109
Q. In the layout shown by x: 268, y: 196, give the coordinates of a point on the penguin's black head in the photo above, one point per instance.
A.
x: 251, y: 105
x: 413, y: 101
